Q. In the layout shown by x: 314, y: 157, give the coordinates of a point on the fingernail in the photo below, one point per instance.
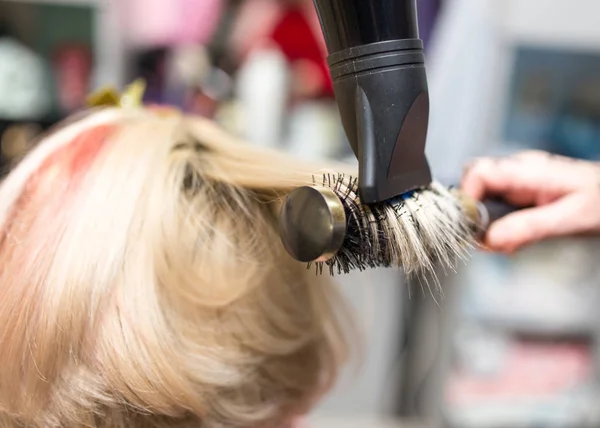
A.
x: 503, y: 240
x: 469, y: 166
x: 495, y: 237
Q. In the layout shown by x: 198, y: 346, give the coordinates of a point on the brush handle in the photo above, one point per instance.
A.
x: 494, y: 209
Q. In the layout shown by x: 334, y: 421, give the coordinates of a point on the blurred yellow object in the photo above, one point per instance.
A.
x: 17, y: 140
x: 131, y: 96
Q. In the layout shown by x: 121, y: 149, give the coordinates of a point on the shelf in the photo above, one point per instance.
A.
x: 539, y: 327
x: 359, y: 422
x: 90, y: 3
x: 569, y: 412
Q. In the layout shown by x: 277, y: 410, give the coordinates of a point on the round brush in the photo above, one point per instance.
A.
x: 326, y: 224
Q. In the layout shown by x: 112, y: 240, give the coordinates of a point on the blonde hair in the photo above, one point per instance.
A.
x: 143, y: 283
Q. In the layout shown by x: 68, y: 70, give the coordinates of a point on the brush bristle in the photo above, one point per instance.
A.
x: 416, y: 232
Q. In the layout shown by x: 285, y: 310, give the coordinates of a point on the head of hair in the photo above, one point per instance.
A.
x: 143, y: 283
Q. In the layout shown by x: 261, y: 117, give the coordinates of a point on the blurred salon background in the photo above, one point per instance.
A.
x: 512, y: 342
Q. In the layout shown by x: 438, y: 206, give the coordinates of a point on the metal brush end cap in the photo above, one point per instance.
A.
x: 312, y: 224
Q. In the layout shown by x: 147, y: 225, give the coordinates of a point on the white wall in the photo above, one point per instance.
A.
x: 557, y: 23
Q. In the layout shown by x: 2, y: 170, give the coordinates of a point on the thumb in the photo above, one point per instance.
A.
x: 532, y: 225
x: 299, y: 422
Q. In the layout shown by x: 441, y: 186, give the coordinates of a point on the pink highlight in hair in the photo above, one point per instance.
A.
x: 68, y: 163
x: 57, y: 176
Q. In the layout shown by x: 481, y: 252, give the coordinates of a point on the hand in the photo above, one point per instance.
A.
x: 563, y: 193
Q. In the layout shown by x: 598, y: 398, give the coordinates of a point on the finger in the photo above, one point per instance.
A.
x: 500, y: 177
x: 571, y: 215
x: 519, y: 180
x: 475, y: 178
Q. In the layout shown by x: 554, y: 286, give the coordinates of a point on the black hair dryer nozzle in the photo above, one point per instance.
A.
x: 377, y: 65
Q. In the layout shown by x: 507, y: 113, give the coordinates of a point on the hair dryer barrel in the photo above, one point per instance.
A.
x: 377, y: 65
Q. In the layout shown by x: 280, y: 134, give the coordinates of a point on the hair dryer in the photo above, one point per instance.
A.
x: 377, y: 66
